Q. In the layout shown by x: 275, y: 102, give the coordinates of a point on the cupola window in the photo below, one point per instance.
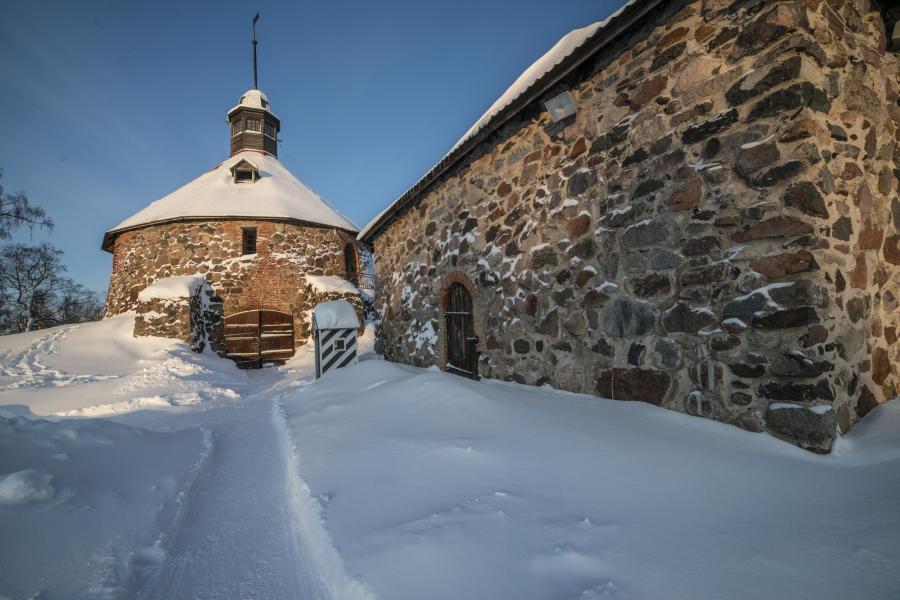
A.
x: 244, y: 172
x: 253, y: 126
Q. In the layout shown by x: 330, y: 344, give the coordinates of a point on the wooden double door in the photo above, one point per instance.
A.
x: 462, y: 343
x: 254, y: 337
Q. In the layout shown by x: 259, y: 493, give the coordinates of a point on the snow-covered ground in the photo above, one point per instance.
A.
x: 136, y: 468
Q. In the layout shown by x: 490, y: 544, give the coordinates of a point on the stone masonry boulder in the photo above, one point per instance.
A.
x: 622, y: 317
x: 811, y: 427
x: 684, y: 318
x: 645, y: 385
x: 645, y: 233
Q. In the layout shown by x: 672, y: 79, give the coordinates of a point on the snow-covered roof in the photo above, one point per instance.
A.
x: 254, y: 99
x: 277, y: 194
x: 537, y: 76
x: 336, y: 314
x: 172, y: 288
x: 563, y: 48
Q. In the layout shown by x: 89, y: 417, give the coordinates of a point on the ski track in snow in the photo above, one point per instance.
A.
x: 250, y: 527
x: 25, y: 367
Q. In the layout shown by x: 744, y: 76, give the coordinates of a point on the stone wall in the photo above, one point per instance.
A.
x: 164, y: 317
x: 196, y: 319
x: 715, y: 231
x: 270, y: 279
x: 207, y: 315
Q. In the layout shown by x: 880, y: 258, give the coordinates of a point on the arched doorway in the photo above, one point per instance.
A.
x: 462, y: 343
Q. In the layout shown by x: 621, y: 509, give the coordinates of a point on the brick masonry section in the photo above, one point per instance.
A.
x: 715, y: 231
x: 273, y: 278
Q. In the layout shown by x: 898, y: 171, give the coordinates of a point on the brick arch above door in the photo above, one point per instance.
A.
x: 456, y: 277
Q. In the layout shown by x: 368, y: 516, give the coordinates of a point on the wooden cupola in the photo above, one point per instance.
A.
x: 253, y: 125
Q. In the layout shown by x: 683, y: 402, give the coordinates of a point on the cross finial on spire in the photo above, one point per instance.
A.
x: 255, y: 82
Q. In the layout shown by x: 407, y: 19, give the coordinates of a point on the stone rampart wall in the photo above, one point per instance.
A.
x: 715, y: 231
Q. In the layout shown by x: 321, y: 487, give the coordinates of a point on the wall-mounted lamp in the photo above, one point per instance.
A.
x: 561, y: 107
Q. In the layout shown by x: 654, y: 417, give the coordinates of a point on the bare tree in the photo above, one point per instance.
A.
x: 16, y: 211
x: 34, y: 293
x: 74, y: 303
x: 30, y: 277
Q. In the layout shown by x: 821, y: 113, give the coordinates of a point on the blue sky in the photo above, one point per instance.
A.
x: 112, y: 105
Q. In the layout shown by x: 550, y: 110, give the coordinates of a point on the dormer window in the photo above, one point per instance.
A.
x: 244, y: 172
x: 253, y: 125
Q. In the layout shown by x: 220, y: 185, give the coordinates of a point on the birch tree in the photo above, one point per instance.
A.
x: 16, y: 211
x: 30, y: 276
x: 34, y: 292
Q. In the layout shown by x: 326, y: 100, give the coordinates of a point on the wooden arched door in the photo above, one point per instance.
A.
x: 255, y: 337
x: 462, y: 343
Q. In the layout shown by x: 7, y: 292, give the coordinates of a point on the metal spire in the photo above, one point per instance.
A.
x: 255, y: 83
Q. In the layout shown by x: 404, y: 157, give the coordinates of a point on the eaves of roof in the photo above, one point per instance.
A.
x: 616, y: 26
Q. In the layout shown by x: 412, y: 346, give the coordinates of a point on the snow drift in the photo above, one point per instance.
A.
x: 85, y: 505
x: 393, y: 482
x: 434, y: 486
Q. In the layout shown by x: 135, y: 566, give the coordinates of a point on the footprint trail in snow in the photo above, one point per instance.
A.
x: 26, y: 367
x: 251, y: 529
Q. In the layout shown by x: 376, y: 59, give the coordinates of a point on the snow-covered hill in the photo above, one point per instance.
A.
x: 136, y: 468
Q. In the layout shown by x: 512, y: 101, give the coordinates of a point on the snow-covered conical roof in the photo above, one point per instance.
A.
x: 277, y: 194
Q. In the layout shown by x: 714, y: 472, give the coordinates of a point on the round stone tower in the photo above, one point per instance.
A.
x: 260, y: 237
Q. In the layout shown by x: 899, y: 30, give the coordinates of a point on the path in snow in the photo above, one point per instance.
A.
x: 243, y: 532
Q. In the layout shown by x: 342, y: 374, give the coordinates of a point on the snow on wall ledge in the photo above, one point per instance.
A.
x: 715, y: 231
x: 172, y: 288
x: 329, y: 283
